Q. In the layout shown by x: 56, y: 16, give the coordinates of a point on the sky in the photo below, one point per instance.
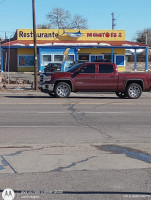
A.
x: 131, y: 15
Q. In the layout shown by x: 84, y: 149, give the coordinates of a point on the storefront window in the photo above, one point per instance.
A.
x: 107, y: 57
x: 95, y: 58
x: 58, y: 58
x: 70, y: 58
x: 26, y: 60
x: 120, y: 60
x: 46, y: 58
x: 83, y: 57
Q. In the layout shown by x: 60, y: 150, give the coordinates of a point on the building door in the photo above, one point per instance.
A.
x: 93, y: 58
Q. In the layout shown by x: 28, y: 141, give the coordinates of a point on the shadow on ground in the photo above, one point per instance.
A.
x: 32, y: 96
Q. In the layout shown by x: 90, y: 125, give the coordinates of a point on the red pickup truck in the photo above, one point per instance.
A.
x: 95, y: 77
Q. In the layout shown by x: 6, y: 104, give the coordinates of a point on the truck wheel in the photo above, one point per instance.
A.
x: 121, y: 94
x: 62, y: 90
x: 134, y: 91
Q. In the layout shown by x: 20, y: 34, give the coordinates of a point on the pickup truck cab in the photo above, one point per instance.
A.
x: 95, y: 77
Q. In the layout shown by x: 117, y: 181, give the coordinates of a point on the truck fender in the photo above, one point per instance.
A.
x: 69, y: 81
x: 138, y: 81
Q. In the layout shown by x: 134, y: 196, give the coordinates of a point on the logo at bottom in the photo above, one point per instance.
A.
x: 8, y: 194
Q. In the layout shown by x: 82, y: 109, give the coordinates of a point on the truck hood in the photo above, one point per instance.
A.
x: 56, y: 73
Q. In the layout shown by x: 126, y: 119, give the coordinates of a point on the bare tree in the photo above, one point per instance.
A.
x: 62, y: 19
x: 59, y: 18
x: 79, y: 22
x: 144, y: 36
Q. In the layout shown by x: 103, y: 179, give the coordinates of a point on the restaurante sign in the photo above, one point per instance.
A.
x: 62, y: 35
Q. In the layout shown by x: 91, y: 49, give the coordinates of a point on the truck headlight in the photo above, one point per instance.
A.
x: 46, y: 78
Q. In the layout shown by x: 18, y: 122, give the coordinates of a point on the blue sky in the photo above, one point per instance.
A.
x: 131, y: 15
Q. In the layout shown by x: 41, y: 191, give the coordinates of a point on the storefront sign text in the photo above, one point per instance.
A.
x: 38, y: 35
x: 103, y: 35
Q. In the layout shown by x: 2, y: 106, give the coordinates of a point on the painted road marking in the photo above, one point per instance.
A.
x: 80, y: 112
x: 44, y: 126
x: 64, y: 113
x: 66, y: 103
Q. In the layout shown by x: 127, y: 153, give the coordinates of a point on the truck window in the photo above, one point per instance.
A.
x: 88, y: 69
x: 75, y: 67
x: 106, y: 68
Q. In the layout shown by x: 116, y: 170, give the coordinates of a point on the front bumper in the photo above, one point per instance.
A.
x: 46, y: 88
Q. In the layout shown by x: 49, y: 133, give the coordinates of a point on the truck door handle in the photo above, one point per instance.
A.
x: 112, y: 76
x: 92, y: 76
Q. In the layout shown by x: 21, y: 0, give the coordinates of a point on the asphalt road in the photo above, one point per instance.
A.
x: 88, y: 146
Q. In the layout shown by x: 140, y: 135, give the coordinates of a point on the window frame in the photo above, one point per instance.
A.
x: 90, y: 72
x: 53, y: 61
x: 57, y: 55
x: 24, y: 55
x: 95, y: 55
x: 73, y: 58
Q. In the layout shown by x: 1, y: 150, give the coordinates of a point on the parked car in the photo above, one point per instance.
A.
x: 95, y: 77
x: 52, y: 67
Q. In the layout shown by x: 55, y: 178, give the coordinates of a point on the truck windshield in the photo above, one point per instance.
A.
x: 72, y: 69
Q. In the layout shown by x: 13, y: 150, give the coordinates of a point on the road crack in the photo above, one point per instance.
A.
x: 72, y: 164
x: 5, y: 164
x: 83, y: 120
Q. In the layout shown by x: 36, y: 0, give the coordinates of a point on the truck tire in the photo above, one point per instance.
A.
x: 121, y: 94
x: 134, y: 91
x: 62, y: 90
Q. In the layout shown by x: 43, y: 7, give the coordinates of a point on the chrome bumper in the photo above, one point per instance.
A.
x: 46, y: 87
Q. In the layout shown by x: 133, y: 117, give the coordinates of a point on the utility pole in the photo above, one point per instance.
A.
x: 35, y: 47
x: 113, y: 21
x: 146, y: 38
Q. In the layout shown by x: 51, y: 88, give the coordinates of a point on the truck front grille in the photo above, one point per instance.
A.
x: 41, y: 78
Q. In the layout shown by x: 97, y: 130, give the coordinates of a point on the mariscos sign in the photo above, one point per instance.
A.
x: 105, y: 35
x: 60, y: 34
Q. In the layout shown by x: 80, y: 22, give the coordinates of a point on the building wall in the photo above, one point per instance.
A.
x: 119, y: 55
x: 22, y: 59
x: 25, y: 57
x: 54, y: 55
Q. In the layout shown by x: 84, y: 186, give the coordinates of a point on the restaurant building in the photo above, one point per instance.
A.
x: 17, y: 54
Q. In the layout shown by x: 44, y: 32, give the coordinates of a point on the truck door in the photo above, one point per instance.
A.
x: 85, y: 80
x: 107, y: 77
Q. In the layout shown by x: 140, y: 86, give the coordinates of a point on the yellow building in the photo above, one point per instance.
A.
x: 83, y: 45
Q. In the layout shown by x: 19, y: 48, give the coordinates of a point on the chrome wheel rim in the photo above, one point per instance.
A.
x: 62, y: 90
x: 134, y: 91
